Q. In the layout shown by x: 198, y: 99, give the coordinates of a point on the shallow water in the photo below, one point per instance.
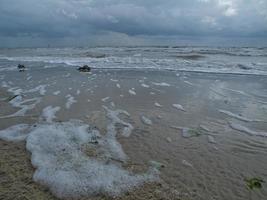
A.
x: 211, y: 162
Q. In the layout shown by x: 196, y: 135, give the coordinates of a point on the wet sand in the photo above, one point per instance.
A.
x: 186, y: 122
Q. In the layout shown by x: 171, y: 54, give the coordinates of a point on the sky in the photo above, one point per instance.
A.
x: 132, y: 22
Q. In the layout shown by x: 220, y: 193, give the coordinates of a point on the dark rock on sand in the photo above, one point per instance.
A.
x: 21, y: 68
x: 85, y: 68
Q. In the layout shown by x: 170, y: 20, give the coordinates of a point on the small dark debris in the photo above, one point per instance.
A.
x: 21, y: 68
x: 13, y: 97
x: 84, y: 68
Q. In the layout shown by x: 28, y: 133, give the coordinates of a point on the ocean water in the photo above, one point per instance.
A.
x: 235, y: 60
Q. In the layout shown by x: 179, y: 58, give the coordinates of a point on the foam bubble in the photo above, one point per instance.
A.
x: 246, y: 130
x: 146, y: 121
x: 114, y: 117
x: 238, y: 116
x: 56, y: 92
x: 15, y: 90
x: 70, y: 101
x: 186, y: 163
x: 18, y: 102
x: 145, y: 85
x: 169, y: 139
x: 211, y: 139
x: 67, y: 171
x: 58, y: 154
x: 179, y: 107
x: 105, y: 99
x: 132, y: 92
x: 158, y: 105
x: 49, y: 113
x: 112, y: 104
x: 189, y: 83
x: 161, y: 84
x: 40, y: 88
x: 15, y: 133
x: 118, y: 85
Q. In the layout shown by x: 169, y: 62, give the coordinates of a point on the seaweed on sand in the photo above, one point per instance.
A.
x: 254, y: 183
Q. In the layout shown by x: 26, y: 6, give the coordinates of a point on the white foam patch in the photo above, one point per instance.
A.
x: 57, y: 153
x: 114, y: 117
x: 179, y: 107
x: 4, y: 84
x: 146, y: 121
x: 112, y: 104
x: 49, y: 113
x: 238, y: 116
x: 169, y: 139
x: 145, y: 85
x: 161, y: 84
x: 78, y: 92
x: 186, y: 163
x: 105, y: 99
x: 132, y: 92
x: 118, y: 85
x: 189, y: 83
x: 211, y: 139
x: 18, y: 102
x: 67, y: 171
x: 70, y: 101
x: 40, y: 88
x: 15, y: 90
x: 114, y: 80
x: 246, y: 130
x: 56, y: 92
x: 204, y: 128
x: 15, y: 133
x: 237, y: 91
x: 158, y: 105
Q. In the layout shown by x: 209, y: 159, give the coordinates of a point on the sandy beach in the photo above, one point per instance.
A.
x: 133, y: 100
x: 155, y: 134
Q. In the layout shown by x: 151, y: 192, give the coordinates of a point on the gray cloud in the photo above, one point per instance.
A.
x: 131, y: 19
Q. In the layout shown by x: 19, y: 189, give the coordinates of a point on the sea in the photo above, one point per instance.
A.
x: 228, y: 60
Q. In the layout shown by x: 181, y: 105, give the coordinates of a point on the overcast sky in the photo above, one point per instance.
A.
x: 130, y: 22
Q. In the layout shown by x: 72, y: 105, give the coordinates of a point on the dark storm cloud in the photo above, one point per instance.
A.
x: 132, y: 18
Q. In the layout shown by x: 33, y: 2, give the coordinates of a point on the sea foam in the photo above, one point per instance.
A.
x: 70, y: 101
x: 49, y: 113
x: 246, y: 130
x: 179, y: 107
x: 15, y: 133
x: 67, y: 171
x: 58, y: 152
